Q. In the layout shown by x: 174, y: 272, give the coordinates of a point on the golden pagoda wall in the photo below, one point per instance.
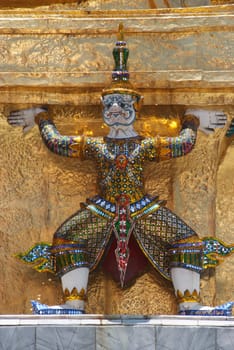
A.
x: 64, y: 57
x: 109, y: 4
x: 225, y: 224
x: 190, y: 65
x: 105, y: 4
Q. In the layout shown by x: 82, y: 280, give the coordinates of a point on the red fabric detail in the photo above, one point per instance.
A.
x: 137, y: 263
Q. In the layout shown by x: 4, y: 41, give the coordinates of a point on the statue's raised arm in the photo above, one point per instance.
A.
x: 166, y: 147
x: 69, y: 146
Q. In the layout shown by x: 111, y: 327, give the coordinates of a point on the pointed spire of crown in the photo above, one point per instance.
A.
x: 120, y: 75
x: 120, y: 54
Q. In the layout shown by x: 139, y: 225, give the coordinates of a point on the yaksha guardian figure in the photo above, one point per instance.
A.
x: 122, y: 227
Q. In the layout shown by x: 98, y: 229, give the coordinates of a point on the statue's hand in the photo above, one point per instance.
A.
x: 209, y: 120
x: 24, y: 117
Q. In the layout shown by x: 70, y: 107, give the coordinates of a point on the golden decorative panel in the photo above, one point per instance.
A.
x: 105, y: 4
x: 64, y: 57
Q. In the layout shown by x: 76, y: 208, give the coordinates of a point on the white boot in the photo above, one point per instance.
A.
x: 74, y: 284
x: 187, y: 290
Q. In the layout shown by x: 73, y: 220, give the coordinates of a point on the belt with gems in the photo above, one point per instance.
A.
x: 138, y: 209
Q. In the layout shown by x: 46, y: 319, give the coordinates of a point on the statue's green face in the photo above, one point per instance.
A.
x: 118, y: 110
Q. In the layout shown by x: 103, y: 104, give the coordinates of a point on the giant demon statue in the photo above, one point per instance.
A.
x: 122, y: 227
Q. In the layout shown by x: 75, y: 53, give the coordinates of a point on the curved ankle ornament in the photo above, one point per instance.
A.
x: 75, y: 295
x: 188, y: 297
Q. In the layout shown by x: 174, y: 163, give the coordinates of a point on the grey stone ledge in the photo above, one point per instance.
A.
x: 120, y: 320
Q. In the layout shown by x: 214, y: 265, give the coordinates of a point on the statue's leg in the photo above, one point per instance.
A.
x: 176, y: 251
x: 187, y: 288
x: 74, y: 284
x: 77, y: 248
x: 78, y: 245
x: 189, y: 300
x: 186, y: 263
x: 188, y: 258
x: 156, y: 235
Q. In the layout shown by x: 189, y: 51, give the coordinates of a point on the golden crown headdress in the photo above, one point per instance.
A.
x: 120, y: 75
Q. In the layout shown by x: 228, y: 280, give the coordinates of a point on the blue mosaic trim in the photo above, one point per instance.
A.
x: 72, y: 267
x: 98, y: 211
x: 37, y: 251
x: 215, y: 251
x: 64, y: 249
x: 188, y: 245
x: 187, y: 255
x: 222, y: 310
x: 68, y: 257
x: 141, y: 204
x: 190, y: 267
x: 121, y: 43
x: 39, y: 254
x: 120, y: 75
x: 103, y: 203
x: 111, y: 207
x: 150, y: 209
x: 42, y: 309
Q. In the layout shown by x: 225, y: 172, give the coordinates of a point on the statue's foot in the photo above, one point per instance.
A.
x: 43, y: 309
x: 199, y: 310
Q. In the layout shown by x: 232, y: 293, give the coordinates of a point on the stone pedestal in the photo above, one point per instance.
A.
x: 116, y: 332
